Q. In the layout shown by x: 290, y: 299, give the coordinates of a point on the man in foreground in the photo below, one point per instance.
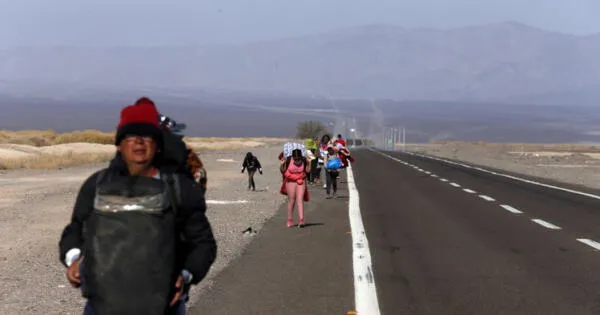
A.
x: 138, y: 236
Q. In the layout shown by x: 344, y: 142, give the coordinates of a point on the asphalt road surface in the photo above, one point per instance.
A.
x: 291, y: 270
x: 450, y: 239
x: 444, y: 238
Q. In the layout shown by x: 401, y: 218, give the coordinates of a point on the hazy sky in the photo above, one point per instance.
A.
x: 161, y: 22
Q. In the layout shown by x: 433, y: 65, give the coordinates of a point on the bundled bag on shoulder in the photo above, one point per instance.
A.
x: 334, y: 164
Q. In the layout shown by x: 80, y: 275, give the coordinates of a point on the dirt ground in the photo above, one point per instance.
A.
x: 35, y: 205
x: 573, y: 164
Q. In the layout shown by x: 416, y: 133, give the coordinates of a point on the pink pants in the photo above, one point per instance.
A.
x: 295, y: 194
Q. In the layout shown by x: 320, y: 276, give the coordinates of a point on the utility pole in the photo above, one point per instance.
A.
x: 403, y: 139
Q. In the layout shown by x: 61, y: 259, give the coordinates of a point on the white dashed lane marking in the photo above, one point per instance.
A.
x: 546, y: 224
x: 511, y: 209
x: 595, y: 245
x: 590, y: 243
x: 488, y: 198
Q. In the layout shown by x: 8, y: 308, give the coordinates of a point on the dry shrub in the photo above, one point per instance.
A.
x: 41, y: 138
x: 221, y: 146
x: 30, y: 137
x: 54, y: 157
x: 87, y: 136
x: 51, y: 161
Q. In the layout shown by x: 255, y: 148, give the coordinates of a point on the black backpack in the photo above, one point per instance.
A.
x: 174, y: 153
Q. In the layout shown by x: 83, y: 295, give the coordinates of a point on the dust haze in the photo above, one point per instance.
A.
x: 444, y: 70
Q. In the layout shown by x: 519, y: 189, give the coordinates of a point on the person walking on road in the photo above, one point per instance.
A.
x: 294, y: 169
x: 323, y: 144
x: 251, y: 164
x: 138, y: 237
x: 332, y: 170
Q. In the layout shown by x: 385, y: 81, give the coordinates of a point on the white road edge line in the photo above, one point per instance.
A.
x: 488, y: 198
x: 546, y: 224
x: 469, y: 190
x: 225, y: 202
x: 511, y: 209
x: 365, y: 291
x: 590, y: 243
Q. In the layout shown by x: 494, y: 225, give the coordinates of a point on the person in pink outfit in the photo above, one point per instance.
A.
x: 294, y: 169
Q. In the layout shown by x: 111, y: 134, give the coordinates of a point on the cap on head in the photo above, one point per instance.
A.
x: 141, y: 119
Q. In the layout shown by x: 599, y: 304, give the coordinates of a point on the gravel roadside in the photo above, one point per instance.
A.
x: 35, y: 205
x: 567, y: 167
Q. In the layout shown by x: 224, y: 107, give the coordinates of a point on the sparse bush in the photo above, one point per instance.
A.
x: 40, y: 138
x: 87, y: 136
x: 100, y: 150
x: 50, y: 161
x: 310, y: 129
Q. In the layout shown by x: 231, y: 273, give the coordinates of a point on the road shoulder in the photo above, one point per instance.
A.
x: 290, y: 270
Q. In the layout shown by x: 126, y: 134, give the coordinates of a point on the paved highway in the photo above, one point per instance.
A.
x: 451, y: 239
x: 440, y: 238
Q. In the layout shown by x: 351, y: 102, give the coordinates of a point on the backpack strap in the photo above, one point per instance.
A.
x: 173, y: 189
x: 101, y: 176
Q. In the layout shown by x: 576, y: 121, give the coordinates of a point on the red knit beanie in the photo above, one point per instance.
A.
x: 140, y: 119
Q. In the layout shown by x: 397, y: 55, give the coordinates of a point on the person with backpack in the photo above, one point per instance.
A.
x: 294, y: 169
x: 323, y: 144
x: 138, y: 237
x: 333, y: 164
x: 252, y: 164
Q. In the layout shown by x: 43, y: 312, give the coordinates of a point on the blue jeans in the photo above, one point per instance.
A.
x: 179, y: 307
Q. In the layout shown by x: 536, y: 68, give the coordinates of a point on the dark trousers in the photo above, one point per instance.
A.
x: 331, y: 181
x: 251, y: 183
x: 316, y: 170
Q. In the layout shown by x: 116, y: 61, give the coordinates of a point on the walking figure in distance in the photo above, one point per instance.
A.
x: 252, y: 164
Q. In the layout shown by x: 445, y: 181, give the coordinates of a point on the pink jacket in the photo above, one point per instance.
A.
x: 295, y: 173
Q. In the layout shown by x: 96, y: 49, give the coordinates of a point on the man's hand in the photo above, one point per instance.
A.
x: 73, y: 273
x: 179, y: 285
x: 260, y: 171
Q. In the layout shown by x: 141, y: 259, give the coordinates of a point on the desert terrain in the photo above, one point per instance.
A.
x: 41, y: 172
x: 573, y: 164
x: 36, y: 201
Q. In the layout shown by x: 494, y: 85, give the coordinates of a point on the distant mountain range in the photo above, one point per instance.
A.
x: 505, y: 62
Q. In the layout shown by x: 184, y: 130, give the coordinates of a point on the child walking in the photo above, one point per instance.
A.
x: 252, y: 164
